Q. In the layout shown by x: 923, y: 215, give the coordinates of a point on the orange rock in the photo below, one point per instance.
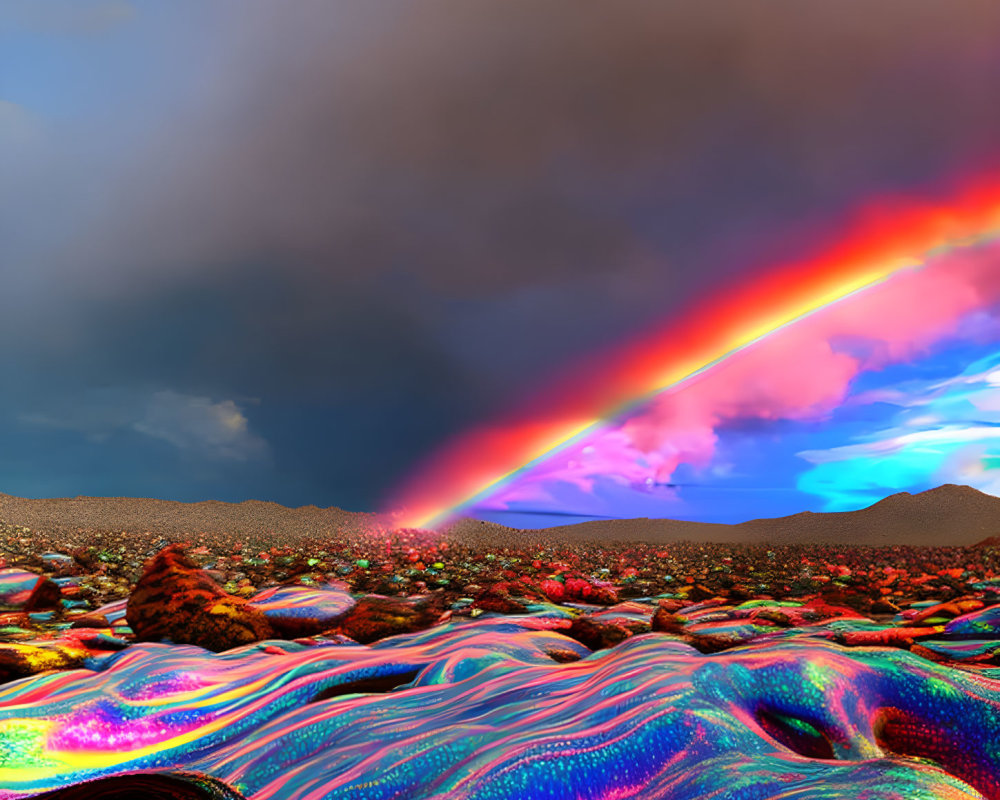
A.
x: 176, y: 600
x: 374, y: 618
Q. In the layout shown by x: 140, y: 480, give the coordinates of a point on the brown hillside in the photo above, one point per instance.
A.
x: 172, y: 519
x: 949, y: 515
x: 946, y: 516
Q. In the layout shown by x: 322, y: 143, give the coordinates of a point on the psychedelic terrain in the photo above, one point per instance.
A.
x: 483, y: 711
x: 412, y: 664
x: 769, y: 397
x: 649, y: 698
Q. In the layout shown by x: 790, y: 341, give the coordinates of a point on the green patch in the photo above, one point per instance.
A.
x: 22, y: 744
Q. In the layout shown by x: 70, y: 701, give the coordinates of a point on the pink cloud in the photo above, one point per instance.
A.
x: 801, y: 372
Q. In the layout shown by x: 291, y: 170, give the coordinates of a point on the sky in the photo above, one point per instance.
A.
x: 290, y: 251
x: 894, y: 387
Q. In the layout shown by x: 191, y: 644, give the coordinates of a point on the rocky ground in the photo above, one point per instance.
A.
x: 319, y: 592
x: 98, y: 566
x: 91, y: 588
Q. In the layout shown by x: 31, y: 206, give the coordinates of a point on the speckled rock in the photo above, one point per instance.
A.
x: 601, y: 635
x: 376, y: 617
x: 20, y: 659
x: 177, y: 601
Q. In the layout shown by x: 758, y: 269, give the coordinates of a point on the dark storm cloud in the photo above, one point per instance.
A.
x: 485, y: 145
x: 406, y: 215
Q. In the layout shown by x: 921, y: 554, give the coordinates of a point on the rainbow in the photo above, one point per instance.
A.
x: 887, y: 237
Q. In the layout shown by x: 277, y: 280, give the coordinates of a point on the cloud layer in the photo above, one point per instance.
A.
x: 197, y: 426
x: 391, y: 223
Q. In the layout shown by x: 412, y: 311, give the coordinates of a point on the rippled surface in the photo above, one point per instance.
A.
x: 16, y: 587
x: 303, y: 602
x: 494, y: 708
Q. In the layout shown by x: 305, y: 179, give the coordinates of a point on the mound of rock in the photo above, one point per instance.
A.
x: 20, y: 659
x: 375, y: 617
x: 177, y: 601
x: 21, y: 590
x: 598, y: 634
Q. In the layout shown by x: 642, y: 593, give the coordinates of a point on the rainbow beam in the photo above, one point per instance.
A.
x: 887, y: 238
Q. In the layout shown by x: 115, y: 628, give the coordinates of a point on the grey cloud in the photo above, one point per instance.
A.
x: 199, y: 426
x: 217, y: 428
x: 485, y: 145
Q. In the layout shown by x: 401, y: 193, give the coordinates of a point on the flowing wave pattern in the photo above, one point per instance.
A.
x: 503, y: 707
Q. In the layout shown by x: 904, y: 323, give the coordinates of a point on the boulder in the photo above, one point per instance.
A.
x: 90, y: 621
x: 600, y: 635
x: 176, y: 600
x: 21, y: 590
x: 883, y: 606
x: 497, y: 598
x: 375, y: 617
x: 699, y: 592
x: 20, y: 659
x: 665, y: 621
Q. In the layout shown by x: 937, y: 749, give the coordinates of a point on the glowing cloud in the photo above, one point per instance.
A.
x: 941, y: 431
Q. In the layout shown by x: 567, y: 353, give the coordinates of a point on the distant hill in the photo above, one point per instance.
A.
x: 949, y: 515
x: 170, y: 518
